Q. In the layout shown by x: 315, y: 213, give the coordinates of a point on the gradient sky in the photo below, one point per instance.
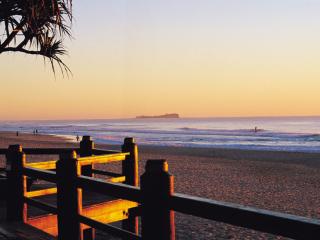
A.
x: 199, y: 58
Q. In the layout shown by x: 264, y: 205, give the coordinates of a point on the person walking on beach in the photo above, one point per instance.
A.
x: 17, y: 133
x: 77, y: 138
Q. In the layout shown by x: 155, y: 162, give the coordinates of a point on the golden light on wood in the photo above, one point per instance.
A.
x: 42, y: 192
x: 108, y: 212
x: 66, y: 219
x: 102, y: 159
x: 117, y: 179
x: 43, y: 165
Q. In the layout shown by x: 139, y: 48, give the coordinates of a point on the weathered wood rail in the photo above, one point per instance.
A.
x: 154, y: 201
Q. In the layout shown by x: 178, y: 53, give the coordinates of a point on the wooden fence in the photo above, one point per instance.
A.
x: 154, y: 202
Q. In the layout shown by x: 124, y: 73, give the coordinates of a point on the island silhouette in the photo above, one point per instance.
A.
x: 167, y: 115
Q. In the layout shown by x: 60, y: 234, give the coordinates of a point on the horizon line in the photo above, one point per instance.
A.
x: 130, y: 118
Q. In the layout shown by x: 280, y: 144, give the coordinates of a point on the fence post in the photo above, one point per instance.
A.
x: 131, y: 172
x: 157, y: 185
x: 86, y: 150
x: 69, y: 197
x: 16, y: 184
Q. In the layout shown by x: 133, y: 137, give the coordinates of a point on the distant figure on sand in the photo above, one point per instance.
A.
x: 77, y: 138
x: 17, y: 133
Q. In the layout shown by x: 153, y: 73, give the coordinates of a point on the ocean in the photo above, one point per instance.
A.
x: 298, y: 134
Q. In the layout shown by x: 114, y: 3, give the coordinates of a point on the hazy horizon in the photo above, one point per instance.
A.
x: 208, y: 58
x: 181, y: 117
x: 297, y: 134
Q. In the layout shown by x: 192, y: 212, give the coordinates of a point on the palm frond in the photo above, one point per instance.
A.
x: 43, y: 25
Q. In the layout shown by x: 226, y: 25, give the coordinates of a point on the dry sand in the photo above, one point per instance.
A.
x: 280, y: 181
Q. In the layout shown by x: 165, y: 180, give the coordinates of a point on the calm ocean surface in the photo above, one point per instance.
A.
x: 286, y: 133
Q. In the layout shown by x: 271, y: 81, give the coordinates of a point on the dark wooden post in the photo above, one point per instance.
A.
x: 131, y: 172
x: 17, y: 184
x: 130, y: 165
x: 69, y: 197
x: 156, y: 187
x: 86, y: 150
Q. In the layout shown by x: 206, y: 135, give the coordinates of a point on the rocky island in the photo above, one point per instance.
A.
x: 167, y: 115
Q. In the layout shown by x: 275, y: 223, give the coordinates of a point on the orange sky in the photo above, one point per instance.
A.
x: 199, y: 59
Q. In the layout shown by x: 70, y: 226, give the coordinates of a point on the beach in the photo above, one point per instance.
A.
x: 281, y: 181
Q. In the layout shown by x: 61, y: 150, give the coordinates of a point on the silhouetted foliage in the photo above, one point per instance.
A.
x: 36, y: 27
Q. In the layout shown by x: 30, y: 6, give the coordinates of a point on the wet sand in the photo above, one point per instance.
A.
x: 280, y: 181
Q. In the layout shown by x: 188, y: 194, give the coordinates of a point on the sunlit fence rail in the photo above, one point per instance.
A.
x: 154, y: 201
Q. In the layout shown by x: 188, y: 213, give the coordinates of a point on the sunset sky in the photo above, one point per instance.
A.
x: 198, y: 58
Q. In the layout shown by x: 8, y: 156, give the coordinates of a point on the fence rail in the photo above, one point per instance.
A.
x: 116, y: 190
x: 57, y: 151
x: 45, y: 175
x: 154, y: 201
x: 102, y: 159
x: 286, y: 225
x: 43, y: 206
x: 117, y: 232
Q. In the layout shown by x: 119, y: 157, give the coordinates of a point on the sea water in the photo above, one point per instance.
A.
x: 301, y: 134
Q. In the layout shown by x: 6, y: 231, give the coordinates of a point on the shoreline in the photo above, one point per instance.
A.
x: 71, y: 139
x: 30, y: 140
x: 228, y: 153
x: 209, y: 152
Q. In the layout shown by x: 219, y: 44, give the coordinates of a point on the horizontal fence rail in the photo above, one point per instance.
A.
x: 272, y: 222
x: 48, y: 151
x: 56, y: 151
x: 43, y: 165
x: 43, y: 206
x: 102, y: 158
x: 102, y: 151
x: 114, y: 157
x: 106, y: 173
x: 46, y: 175
x: 117, y: 232
x: 116, y: 190
x: 40, y: 193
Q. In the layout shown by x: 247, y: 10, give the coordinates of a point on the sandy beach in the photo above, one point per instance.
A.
x: 280, y: 181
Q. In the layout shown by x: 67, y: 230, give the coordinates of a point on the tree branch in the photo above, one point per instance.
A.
x: 12, y: 34
x: 25, y: 41
x: 12, y: 49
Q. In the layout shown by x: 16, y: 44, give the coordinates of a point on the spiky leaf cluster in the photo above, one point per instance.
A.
x: 36, y: 27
